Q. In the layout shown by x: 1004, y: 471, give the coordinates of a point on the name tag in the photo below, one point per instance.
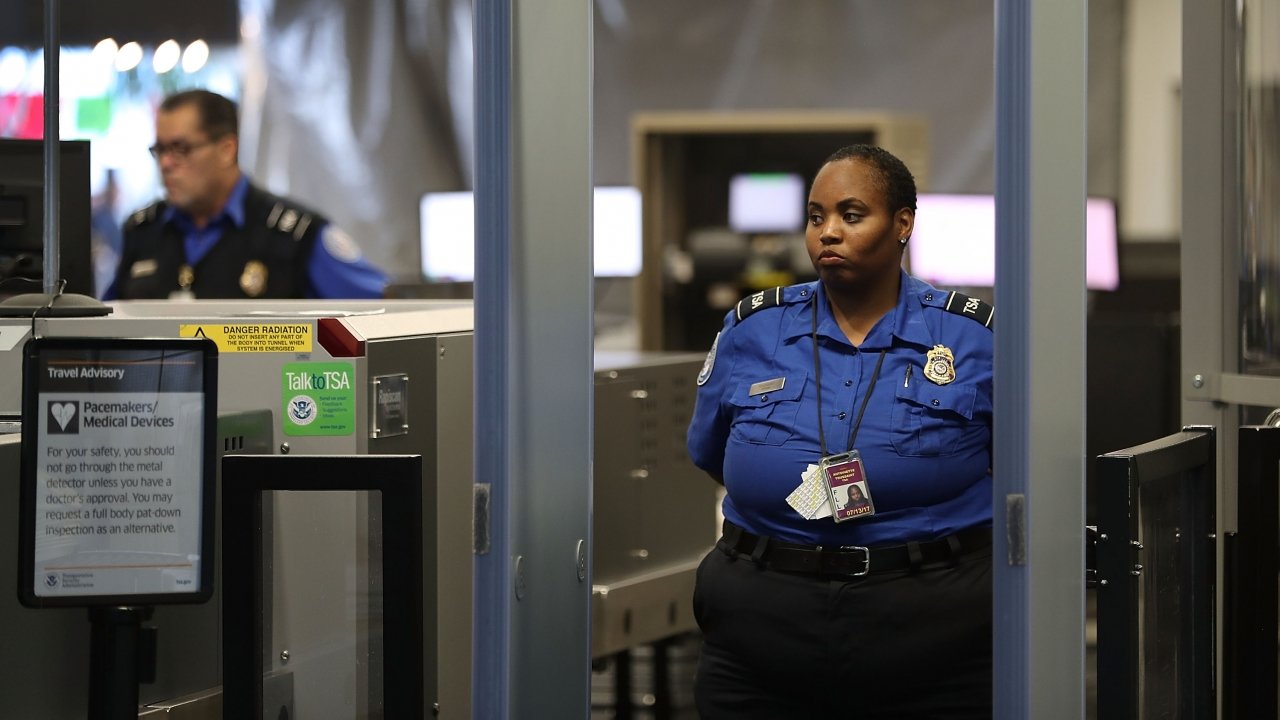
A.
x: 765, y: 386
x: 143, y: 268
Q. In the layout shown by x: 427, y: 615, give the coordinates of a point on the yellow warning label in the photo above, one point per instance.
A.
x: 270, y: 337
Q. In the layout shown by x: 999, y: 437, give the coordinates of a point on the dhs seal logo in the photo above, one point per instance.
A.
x: 302, y: 410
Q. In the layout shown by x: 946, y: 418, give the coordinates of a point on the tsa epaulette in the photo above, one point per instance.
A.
x: 752, y: 304
x: 289, y: 220
x: 972, y: 308
x: 145, y: 215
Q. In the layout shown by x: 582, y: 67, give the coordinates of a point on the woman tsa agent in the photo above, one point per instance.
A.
x: 849, y: 420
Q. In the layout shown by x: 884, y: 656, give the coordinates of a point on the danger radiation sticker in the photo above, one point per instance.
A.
x: 271, y: 337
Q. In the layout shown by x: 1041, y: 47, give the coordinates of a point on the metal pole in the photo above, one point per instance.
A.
x: 50, y: 302
x: 52, y: 194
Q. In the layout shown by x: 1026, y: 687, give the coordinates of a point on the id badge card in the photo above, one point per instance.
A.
x: 846, y: 480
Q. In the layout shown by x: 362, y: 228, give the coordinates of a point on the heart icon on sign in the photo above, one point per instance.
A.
x: 63, y: 412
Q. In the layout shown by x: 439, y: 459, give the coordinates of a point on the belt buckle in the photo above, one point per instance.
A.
x: 866, y: 558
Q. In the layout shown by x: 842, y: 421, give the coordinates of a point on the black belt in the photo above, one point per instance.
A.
x: 850, y: 560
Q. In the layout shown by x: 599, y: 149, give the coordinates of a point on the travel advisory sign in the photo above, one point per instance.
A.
x: 117, y: 469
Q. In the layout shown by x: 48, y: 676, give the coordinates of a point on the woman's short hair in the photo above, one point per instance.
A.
x: 896, y: 180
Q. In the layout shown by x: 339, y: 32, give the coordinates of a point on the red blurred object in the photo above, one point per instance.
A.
x: 22, y: 116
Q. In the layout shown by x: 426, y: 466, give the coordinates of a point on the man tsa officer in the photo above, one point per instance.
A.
x: 217, y: 235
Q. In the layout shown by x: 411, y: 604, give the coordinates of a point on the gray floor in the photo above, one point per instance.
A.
x: 682, y: 660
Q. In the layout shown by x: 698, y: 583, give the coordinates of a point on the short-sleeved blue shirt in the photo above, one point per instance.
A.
x: 336, y: 269
x: 926, y: 447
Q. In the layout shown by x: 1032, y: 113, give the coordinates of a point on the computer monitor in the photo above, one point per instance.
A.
x: 448, y: 234
x: 616, y: 231
x: 22, y: 217
x: 766, y: 203
x: 954, y: 241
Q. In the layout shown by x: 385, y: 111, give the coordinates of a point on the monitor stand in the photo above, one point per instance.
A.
x: 35, y: 305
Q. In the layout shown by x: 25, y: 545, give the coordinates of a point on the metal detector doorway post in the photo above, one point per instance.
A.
x: 1157, y: 515
x: 116, y: 493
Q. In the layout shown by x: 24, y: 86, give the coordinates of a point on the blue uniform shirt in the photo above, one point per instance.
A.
x: 926, y: 447
x: 199, y: 241
x: 336, y: 268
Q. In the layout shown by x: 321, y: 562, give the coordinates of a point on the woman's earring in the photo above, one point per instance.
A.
x: 903, y: 240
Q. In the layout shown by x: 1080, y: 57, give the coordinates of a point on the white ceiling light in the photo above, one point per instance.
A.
x: 104, y: 53
x: 195, y: 56
x: 128, y: 57
x: 166, y: 57
x: 13, y: 69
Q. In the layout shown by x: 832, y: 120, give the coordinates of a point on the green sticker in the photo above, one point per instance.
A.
x: 319, y: 398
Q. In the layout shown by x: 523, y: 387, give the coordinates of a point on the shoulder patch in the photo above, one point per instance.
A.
x: 710, y: 363
x: 145, y: 215
x: 339, y: 244
x: 752, y: 304
x: 972, y: 308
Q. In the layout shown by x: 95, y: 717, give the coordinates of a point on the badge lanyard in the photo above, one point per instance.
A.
x: 844, y: 470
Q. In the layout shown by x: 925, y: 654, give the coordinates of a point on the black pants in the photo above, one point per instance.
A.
x: 897, y: 644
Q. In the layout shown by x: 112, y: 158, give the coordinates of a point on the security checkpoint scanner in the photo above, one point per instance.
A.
x: 295, y: 378
x: 654, y: 511
x: 299, y: 379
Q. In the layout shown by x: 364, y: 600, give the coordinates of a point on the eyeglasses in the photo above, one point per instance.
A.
x: 179, y: 149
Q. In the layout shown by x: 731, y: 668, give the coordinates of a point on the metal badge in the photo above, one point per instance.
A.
x: 186, y: 277
x: 940, y: 366
x: 253, y: 281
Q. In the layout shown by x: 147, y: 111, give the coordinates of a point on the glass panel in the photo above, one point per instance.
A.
x: 322, y: 580
x: 1259, y: 41
x: 1159, y: 600
x: 1260, y: 165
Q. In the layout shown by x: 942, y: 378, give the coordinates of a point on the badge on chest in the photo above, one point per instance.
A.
x: 940, y: 365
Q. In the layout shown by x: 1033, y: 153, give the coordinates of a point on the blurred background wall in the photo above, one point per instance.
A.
x: 358, y: 109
